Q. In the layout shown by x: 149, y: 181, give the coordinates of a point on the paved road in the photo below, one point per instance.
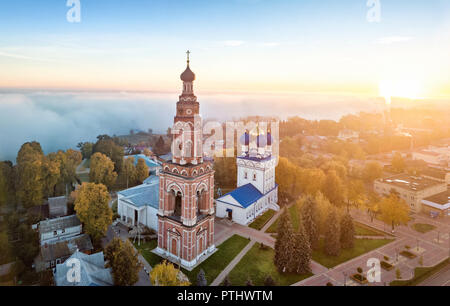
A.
x: 442, y: 278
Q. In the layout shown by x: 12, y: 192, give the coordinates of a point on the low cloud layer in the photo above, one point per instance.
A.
x: 59, y: 120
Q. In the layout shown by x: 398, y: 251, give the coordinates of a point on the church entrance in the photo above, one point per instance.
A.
x: 230, y: 214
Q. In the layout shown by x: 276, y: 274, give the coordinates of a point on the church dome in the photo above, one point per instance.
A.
x: 245, y: 139
x: 187, y: 75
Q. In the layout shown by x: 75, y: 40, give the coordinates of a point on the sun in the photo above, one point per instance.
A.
x: 410, y: 89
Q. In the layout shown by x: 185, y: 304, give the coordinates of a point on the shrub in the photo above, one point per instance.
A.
x: 386, y: 258
x: 387, y: 266
x: 407, y: 247
x: 329, y: 284
x: 408, y: 254
x: 359, y: 269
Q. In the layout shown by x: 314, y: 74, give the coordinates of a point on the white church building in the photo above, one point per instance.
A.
x: 256, y: 190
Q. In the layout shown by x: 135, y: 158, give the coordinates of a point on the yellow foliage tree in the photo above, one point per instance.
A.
x: 141, y: 170
x: 165, y: 274
x: 394, y: 211
x: 91, y: 206
x: 102, y: 170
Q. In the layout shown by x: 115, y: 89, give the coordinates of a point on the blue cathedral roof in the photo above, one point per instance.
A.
x: 246, y: 195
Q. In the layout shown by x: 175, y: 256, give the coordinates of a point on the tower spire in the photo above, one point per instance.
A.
x: 188, y: 54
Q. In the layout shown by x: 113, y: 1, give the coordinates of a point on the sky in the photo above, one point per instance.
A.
x: 118, y: 68
x: 236, y: 45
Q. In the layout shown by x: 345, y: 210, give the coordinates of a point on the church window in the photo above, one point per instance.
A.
x: 254, y: 177
x: 177, y: 210
x: 245, y: 175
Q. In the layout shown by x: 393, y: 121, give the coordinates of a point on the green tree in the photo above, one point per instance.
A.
x: 310, y: 219
x: 124, y: 262
x: 51, y: 175
x: 5, y: 248
x: 347, y: 232
x: 107, y: 146
x: 3, y: 189
x: 91, y: 206
x: 301, y: 257
x: 102, y: 170
x: 142, y: 170
x: 283, y: 243
x: 332, y: 245
x: 86, y: 149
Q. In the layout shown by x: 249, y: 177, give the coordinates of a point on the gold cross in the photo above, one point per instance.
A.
x: 188, y: 53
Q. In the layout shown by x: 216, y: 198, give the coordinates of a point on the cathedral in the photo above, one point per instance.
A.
x: 256, y: 190
x: 186, y: 187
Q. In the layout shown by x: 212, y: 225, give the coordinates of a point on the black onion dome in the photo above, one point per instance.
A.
x: 187, y: 75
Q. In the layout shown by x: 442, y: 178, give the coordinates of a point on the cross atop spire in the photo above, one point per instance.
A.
x: 188, y: 54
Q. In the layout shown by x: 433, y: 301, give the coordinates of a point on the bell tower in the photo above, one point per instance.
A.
x: 186, y: 209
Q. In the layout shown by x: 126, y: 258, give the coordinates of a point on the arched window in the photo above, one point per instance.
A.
x: 254, y: 177
x: 178, y: 207
x: 188, y: 149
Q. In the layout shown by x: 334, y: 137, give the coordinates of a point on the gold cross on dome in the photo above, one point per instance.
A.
x: 188, y: 53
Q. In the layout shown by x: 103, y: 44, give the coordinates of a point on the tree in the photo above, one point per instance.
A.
x: 356, y: 194
x: 124, y: 262
x: 334, y: 189
x: 91, y: 206
x: 394, y: 210
x: 141, y: 170
x: 129, y: 170
x: 332, y: 234
x: 147, y: 152
x: 30, y: 178
x: 301, y: 257
x: 5, y: 247
x: 3, y: 189
x: 398, y: 163
x: 165, y: 274
x: 249, y: 283
x: 159, y: 148
x: 269, y: 282
x: 51, y: 175
x: 86, y: 149
x: 347, y: 232
x: 108, y: 146
x: 323, y: 207
x: 310, y: 219
x: 102, y: 170
x: 283, y: 243
x: 372, y: 171
x: 201, y: 279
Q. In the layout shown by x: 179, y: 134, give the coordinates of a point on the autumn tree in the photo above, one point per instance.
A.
x: 30, y: 189
x: 86, y: 149
x: 165, y: 274
x: 347, y: 232
x: 356, y: 194
x: 129, y: 170
x: 394, y: 210
x: 51, y: 175
x: 334, y: 188
x: 142, y: 170
x: 310, y: 219
x: 109, y: 147
x: 3, y: 189
x: 332, y: 245
x: 398, y: 163
x: 147, y: 152
x: 323, y: 207
x: 372, y: 171
x: 102, y: 170
x: 5, y: 247
x: 91, y: 206
x: 124, y: 262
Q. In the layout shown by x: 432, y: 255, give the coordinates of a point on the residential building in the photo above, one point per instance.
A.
x: 59, y: 229
x: 437, y: 205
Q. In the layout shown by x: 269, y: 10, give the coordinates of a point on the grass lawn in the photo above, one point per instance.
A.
x: 212, y: 266
x: 365, y: 230
x: 362, y: 246
x: 293, y: 212
x: 423, y: 227
x: 420, y: 274
x: 257, y: 264
x: 262, y: 220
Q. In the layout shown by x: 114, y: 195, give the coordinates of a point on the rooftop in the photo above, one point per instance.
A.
x: 148, y: 161
x: 442, y: 198
x: 245, y: 195
x: 58, y: 223
x: 410, y: 182
x: 93, y: 271
x: 66, y: 248
x: 143, y: 195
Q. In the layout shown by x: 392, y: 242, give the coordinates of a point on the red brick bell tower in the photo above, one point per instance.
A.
x: 186, y: 210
